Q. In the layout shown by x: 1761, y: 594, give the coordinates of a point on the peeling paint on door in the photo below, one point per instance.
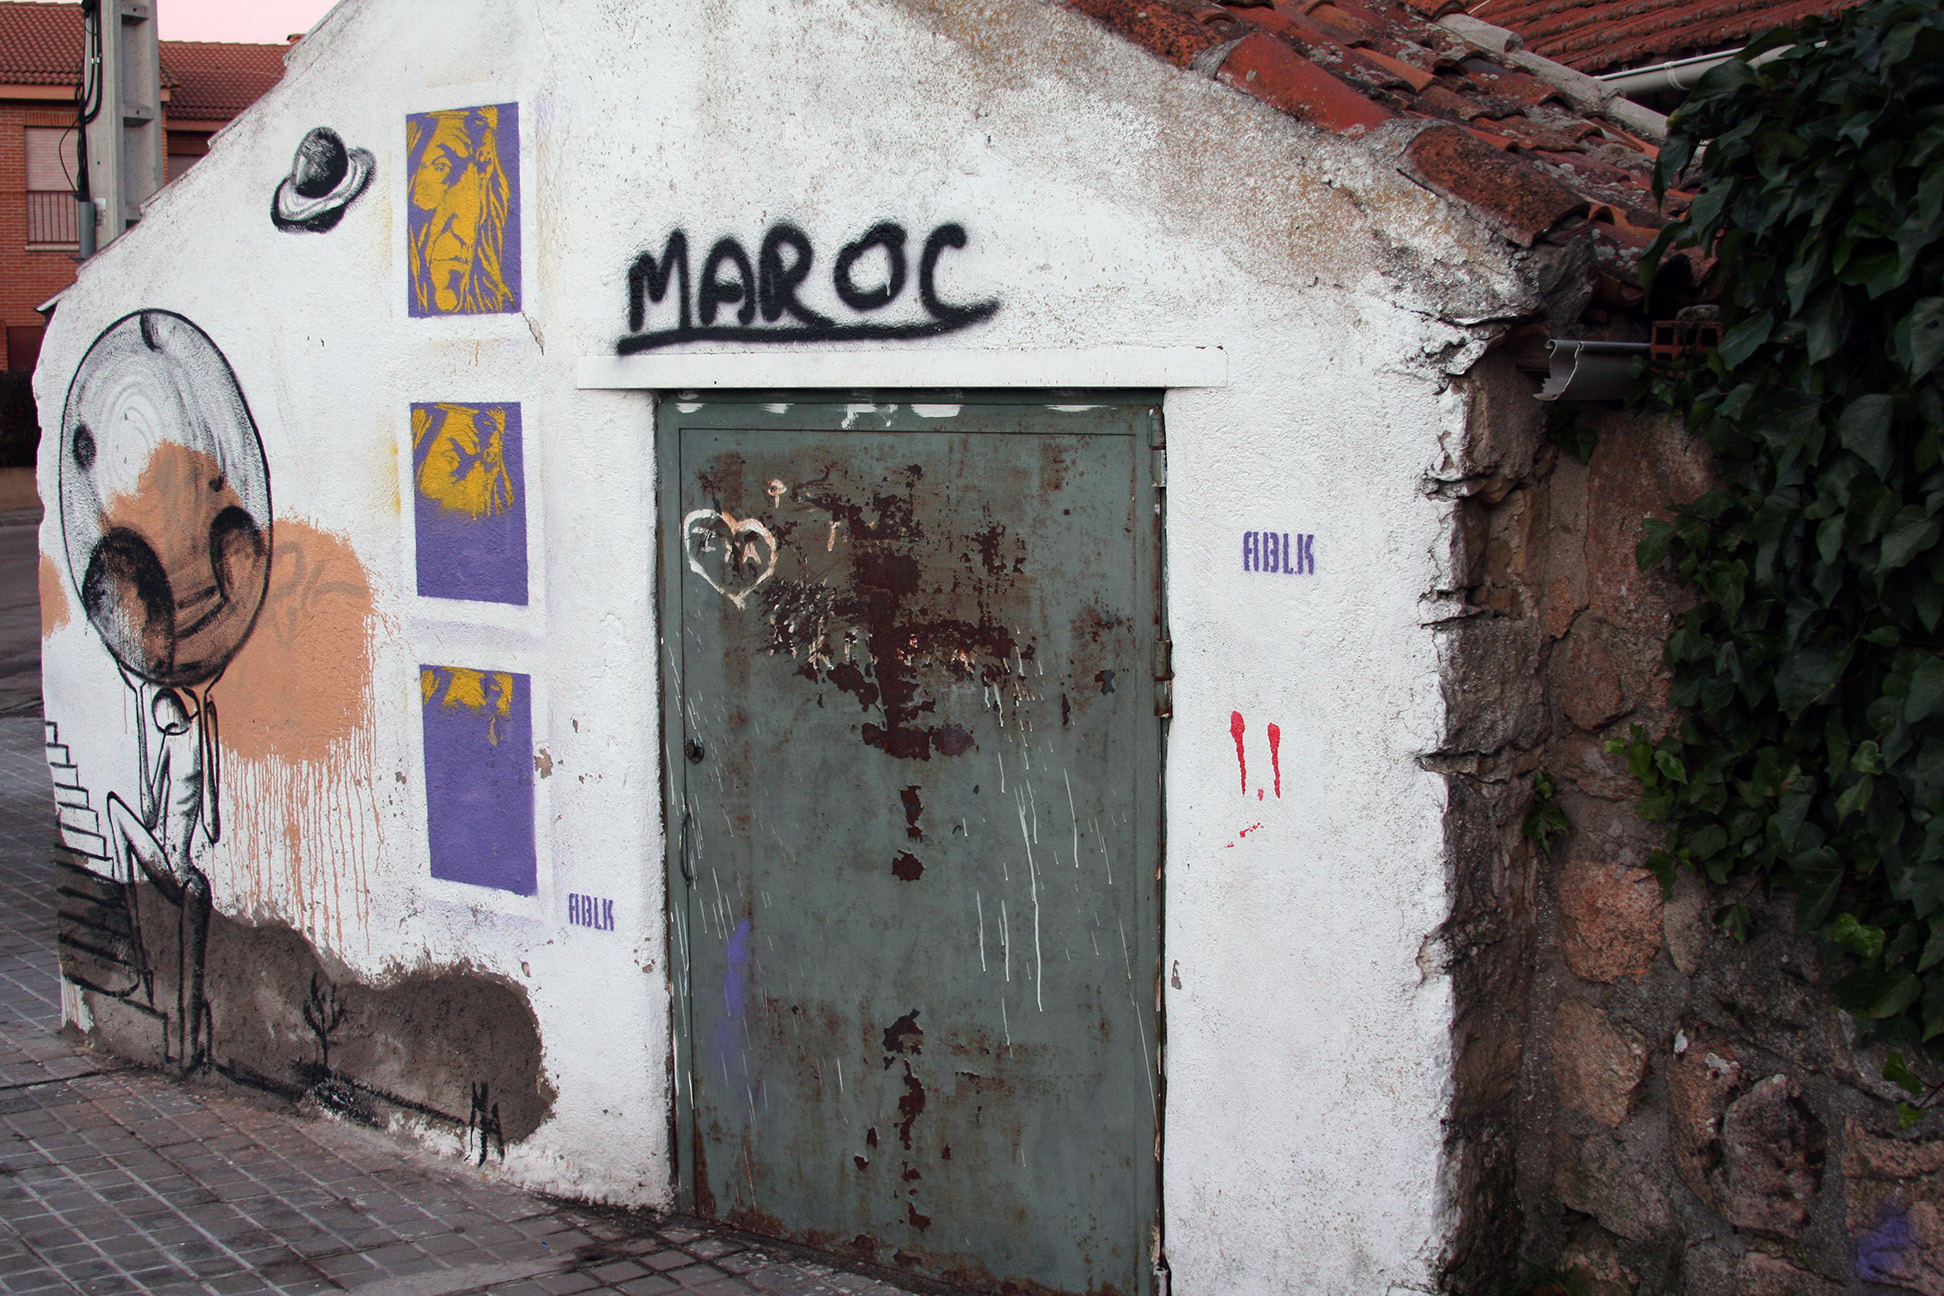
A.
x: 897, y: 754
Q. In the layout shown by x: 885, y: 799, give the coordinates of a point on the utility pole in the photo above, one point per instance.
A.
x: 119, y: 112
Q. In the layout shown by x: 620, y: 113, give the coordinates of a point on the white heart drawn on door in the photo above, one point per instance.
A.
x: 747, y: 555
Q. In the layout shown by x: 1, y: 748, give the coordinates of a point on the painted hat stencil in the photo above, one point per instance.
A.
x: 324, y: 179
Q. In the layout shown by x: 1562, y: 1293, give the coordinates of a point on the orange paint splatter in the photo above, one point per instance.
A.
x: 302, y: 683
x: 55, y: 611
x: 301, y: 815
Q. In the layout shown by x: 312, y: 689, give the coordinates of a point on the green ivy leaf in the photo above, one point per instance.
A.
x: 1865, y: 940
x: 1707, y: 843
x: 1926, y: 695
x: 1864, y: 430
x: 1875, y: 996
x: 1897, y: 1072
x: 1810, y: 661
x: 1827, y: 319
x: 1656, y: 536
x: 1933, y: 948
x: 1913, y: 533
x: 1922, y: 345
x: 1803, y: 676
x: 1545, y: 818
x: 1854, y: 798
x: 1743, y: 340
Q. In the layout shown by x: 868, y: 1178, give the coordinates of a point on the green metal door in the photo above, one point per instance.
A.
x: 913, y: 759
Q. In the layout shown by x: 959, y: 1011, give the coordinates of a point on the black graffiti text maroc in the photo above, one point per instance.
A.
x: 724, y: 303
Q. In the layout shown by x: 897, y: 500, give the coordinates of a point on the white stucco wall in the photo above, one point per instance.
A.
x: 1110, y: 201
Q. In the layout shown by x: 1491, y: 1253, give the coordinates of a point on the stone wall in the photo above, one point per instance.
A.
x: 1642, y: 1101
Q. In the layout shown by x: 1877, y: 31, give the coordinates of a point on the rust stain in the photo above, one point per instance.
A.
x: 911, y: 1104
x: 752, y: 1219
x: 913, y: 807
x: 902, y: 1036
x: 898, y: 613
x: 55, y: 611
x: 907, y: 867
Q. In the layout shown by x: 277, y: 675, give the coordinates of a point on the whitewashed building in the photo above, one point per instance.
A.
x: 824, y: 614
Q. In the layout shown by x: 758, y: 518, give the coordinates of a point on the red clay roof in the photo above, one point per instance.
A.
x: 214, y: 82
x: 1605, y: 35
x: 40, y: 44
x: 1496, y: 138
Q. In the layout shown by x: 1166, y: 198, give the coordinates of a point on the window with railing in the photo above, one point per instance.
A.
x: 51, y: 216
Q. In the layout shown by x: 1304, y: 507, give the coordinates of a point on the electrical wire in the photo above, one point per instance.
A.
x: 88, y: 94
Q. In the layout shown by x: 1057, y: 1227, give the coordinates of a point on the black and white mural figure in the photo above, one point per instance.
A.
x: 325, y: 178
x: 165, y: 517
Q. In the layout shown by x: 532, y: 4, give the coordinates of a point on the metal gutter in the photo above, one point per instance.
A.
x: 1676, y: 74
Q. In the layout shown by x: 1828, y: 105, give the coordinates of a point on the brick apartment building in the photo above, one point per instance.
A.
x: 204, y: 85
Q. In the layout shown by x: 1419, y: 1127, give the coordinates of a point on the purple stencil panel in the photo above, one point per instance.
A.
x: 462, y: 227
x: 469, y: 502
x: 479, y: 776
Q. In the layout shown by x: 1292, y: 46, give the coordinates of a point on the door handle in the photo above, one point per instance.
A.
x: 683, y: 847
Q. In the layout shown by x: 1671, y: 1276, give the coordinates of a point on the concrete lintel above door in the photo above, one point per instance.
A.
x: 1120, y: 367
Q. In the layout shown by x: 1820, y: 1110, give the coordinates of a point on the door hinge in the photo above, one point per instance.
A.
x: 1163, y: 678
x: 1160, y: 467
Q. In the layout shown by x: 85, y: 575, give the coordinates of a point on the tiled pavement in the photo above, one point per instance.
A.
x: 114, y: 1179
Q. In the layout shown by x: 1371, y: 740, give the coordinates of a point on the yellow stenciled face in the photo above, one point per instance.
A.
x: 488, y: 692
x: 463, y: 458
x: 461, y: 196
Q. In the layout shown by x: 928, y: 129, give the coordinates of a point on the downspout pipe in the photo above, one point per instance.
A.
x: 1588, y: 370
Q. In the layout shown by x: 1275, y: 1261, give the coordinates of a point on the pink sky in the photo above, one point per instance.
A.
x: 264, y: 21
x: 259, y: 22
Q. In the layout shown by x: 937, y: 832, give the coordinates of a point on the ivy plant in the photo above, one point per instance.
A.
x: 1811, y: 664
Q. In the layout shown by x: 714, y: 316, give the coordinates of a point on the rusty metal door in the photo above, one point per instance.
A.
x: 913, y: 756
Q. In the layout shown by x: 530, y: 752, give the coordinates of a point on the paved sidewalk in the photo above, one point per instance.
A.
x: 114, y: 1179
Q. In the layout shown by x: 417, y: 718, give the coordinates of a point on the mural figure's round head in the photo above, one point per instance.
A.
x: 165, y: 500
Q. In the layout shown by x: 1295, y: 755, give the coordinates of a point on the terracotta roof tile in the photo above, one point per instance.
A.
x: 1501, y: 140
x: 214, y: 82
x: 1155, y: 27
x: 40, y: 44
x: 1604, y: 35
x: 1417, y: 78
x: 1526, y: 201
x: 1270, y: 70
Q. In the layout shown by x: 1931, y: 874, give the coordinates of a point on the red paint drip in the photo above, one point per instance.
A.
x: 1241, y: 756
x: 1275, y: 755
x: 1246, y: 831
